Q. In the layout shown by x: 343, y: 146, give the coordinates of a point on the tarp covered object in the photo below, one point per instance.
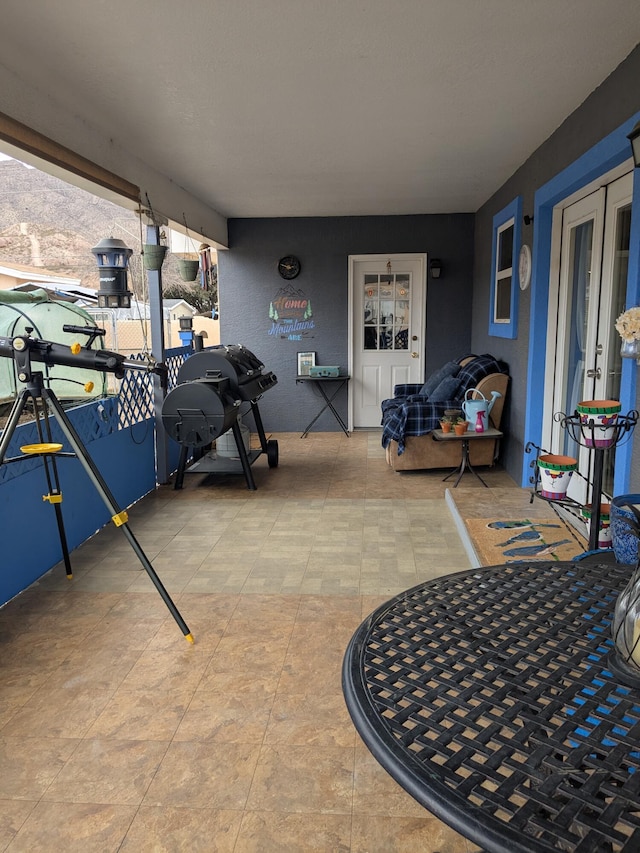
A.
x: 35, y: 309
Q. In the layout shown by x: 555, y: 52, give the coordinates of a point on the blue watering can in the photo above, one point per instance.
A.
x: 477, y: 411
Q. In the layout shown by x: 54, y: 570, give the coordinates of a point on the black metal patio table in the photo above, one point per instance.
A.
x: 319, y: 382
x: 493, y: 697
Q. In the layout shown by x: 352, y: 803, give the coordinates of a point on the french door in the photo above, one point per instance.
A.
x: 387, y: 304
x: 584, y: 302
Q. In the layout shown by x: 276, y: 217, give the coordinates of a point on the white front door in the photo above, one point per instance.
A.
x: 387, y: 322
x: 588, y: 296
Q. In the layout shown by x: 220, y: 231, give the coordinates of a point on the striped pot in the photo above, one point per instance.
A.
x: 598, y: 419
x: 555, y: 472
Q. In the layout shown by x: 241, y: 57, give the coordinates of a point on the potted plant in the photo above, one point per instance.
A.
x: 445, y: 423
x: 153, y: 254
x: 460, y: 426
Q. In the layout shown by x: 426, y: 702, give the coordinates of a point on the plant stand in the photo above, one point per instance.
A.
x: 584, y: 434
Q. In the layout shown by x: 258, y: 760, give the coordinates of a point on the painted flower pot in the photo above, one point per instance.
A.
x: 623, y: 525
x: 604, y: 534
x: 555, y: 473
x: 598, y: 419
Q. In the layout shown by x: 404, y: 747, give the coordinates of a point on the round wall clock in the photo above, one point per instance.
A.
x: 289, y: 267
x: 524, y: 266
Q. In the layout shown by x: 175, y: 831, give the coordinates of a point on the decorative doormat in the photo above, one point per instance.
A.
x: 516, y: 540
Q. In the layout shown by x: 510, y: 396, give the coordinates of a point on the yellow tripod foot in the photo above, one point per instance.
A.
x: 189, y: 638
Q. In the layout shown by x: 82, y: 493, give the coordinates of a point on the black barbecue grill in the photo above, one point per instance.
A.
x: 205, y: 404
x: 245, y: 371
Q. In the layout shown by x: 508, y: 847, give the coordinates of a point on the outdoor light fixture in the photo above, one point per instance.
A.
x: 112, y: 257
x: 435, y: 268
x: 634, y: 138
x: 186, y: 330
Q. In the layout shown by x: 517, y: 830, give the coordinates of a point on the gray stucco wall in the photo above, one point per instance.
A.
x: 613, y: 103
x: 457, y: 305
x: 249, y: 282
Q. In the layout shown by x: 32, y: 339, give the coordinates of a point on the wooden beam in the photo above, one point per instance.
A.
x: 27, y: 139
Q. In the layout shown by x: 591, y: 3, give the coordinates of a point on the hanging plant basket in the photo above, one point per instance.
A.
x: 153, y: 256
x: 188, y: 269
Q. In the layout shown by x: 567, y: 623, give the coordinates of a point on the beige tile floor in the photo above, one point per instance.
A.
x: 117, y: 735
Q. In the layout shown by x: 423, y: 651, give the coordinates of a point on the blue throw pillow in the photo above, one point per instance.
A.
x: 446, y: 390
x: 451, y: 368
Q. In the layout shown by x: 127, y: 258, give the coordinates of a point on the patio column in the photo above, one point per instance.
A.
x: 154, y: 280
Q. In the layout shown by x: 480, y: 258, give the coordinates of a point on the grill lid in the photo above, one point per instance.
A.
x: 243, y: 369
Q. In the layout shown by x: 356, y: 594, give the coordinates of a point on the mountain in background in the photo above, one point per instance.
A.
x: 47, y: 223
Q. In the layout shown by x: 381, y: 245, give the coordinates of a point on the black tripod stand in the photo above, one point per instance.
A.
x: 44, y: 402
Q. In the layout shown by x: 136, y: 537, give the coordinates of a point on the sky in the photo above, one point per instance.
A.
x: 7, y: 157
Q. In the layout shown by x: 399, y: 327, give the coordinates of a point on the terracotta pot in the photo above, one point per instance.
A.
x: 555, y: 472
x: 445, y: 427
x: 460, y: 429
x: 604, y: 533
x: 598, y: 419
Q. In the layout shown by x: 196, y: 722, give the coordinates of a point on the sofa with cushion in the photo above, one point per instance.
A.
x: 409, y: 418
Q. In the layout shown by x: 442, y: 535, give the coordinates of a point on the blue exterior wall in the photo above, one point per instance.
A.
x: 249, y: 282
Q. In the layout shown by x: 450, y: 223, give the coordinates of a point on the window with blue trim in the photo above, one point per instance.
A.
x: 503, y: 319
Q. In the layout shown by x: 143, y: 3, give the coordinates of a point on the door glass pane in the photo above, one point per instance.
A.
x: 371, y: 311
x: 619, y: 287
x: 580, y: 281
x: 401, y: 313
x: 385, y: 325
x: 618, y: 297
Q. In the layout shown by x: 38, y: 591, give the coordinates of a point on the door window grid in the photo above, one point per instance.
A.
x: 386, y: 311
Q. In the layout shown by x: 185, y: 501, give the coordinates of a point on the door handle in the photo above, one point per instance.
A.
x: 595, y: 373
x: 414, y: 355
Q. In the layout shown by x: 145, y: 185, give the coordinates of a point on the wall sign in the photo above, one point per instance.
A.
x: 291, y: 315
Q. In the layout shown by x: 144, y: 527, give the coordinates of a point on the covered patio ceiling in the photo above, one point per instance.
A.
x: 273, y: 108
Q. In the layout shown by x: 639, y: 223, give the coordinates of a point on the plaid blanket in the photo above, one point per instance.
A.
x: 409, y: 413
x: 412, y: 415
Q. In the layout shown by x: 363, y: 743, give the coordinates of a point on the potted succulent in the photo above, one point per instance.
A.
x: 445, y: 423
x: 460, y: 426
